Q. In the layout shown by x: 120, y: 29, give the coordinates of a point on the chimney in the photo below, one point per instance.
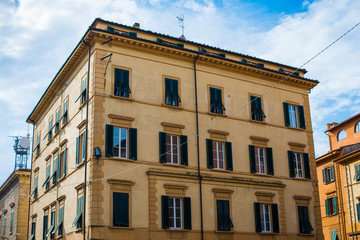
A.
x: 136, y: 25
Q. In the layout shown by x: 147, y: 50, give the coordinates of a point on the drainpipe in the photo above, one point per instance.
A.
x: 198, y: 152
x: 347, y: 183
x: 33, y: 123
x: 352, y: 194
x: 87, y: 134
x: 338, y: 200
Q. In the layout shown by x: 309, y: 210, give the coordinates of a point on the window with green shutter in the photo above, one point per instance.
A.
x: 121, y: 83
x: 334, y: 234
x: 64, y: 116
x: 261, y: 160
x: 299, y: 165
x: 331, y: 206
x: 79, y: 210
x: 216, y: 100
x: 57, y: 120
x: 266, y: 217
x: 224, y: 222
x: 294, y: 115
x: 172, y: 96
x: 52, y: 225
x: 304, y: 221
x: 35, y: 190
x: 33, y: 228
x: 120, y: 209
x: 357, y: 173
x: 219, y: 154
x: 45, y: 226
x: 11, y: 219
x: 176, y: 212
x: 4, y: 225
x: 358, y: 211
x: 120, y: 142
x: 37, y: 147
x: 173, y: 149
x: 59, y: 226
x: 257, y: 113
x: 83, y: 90
x: 53, y: 175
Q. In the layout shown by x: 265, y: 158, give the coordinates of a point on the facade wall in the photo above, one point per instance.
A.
x: 349, y: 128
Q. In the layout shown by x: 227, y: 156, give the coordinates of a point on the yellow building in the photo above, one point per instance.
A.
x: 145, y: 136
x: 14, y: 205
x: 339, y: 189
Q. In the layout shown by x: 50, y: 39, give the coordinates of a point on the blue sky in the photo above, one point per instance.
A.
x: 36, y: 37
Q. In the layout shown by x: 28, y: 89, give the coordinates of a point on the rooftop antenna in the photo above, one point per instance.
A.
x: 21, y: 148
x: 181, y: 24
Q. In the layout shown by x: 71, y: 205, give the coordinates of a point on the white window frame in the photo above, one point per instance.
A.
x: 293, y: 116
x: 120, y: 138
x: 265, y: 214
x: 298, y: 161
x: 217, y: 155
x: 173, y: 147
x: 173, y: 209
x: 259, y: 159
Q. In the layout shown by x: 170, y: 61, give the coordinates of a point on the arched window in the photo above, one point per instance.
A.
x: 357, y: 127
x: 341, y: 135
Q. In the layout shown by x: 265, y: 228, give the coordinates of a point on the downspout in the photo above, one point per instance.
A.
x: 87, y: 134
x: 347, y: 183
x: 338, y: 200
x: 198, y: 152
x: 352, y: 193
x: 33, y: 123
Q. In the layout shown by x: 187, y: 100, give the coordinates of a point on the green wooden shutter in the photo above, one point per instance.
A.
x: 175, y: 92
x: 64, y: 163
x: 117, y: 81
x: 269, y: 161
x: 257, y: 217
x: 286, y: 114
x: 109, y: 140
x: 183, y: 150
x: 84, y: 141
x: 253, y: 107
x: 11, y: 220
x: 291, y: 164
x: 306, y: 165
x: 59, y: 166
x: 229, y: 157
x: 45, y: 226
x: 162, y: 147
x: 252, y: 159
x: 165, y: 212
x: 334, y: 204
x: 301, y: 117
x: 209, y: 148
x: 358, y: 211
x: 324, y: 176
x: 187, y: 213
x: 120, y: 209
x: 77, y: 150
x: 133, y: 143
x: 220, y: 214
x: 54, y: 170
x: 327, y: 207
x: 275, y: 218
x: 168, y: 91
x: 332, y: 173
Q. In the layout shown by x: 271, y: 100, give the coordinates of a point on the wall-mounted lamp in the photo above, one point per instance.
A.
x: 97, y: 153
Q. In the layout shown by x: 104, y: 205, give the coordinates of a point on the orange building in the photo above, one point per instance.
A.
x: 339, y: 189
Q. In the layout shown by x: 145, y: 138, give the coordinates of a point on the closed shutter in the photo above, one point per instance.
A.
x: 324, y: 176
x: 120, y: 209
x: 121, y: 83
x: 220, y: 214
x: 183, y: 150
x: 187, y: 213
x: 358, y: 211
x: 332, y: 173
x: 59, y: 166
x: 286, y: 114
x: 229, y: 158
x: 253, y: 107
x: 291, y: 164
x: 133, y: 143
x: 275, y: 218
x: 269, y: 161
x: 109, y: 140
x: 64, y: 163
x: 335, y: 204
x: 165, y: 212
x: 252, y: 159
x: 327, y: 207
x: 54, y: 170
x: 84, y: 140
x: 45, y: 226
x: 209, y: 150
x: 257, y: 217
x: 162, y: 147
x: 301, y: 117
x: 77, y: 150
x: 168, y: 91
x: 307, y: 166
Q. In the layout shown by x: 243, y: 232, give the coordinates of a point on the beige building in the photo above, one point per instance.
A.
x: 14, y: 205
x: 145, y: 136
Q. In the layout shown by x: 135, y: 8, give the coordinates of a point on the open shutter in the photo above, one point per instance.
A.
x: 162, y: 147
x: 109, y: 140
x: 307, y: 166
x: 269, y: 161
x: 165, y: 212
x: 187, y: 213
x: 327, y: 206
x: 252, y: 159
x: 77, y: 150
x: 291, y: 163
x: 64, y: 163
x: 84, y: 140
x: 358, y: 211
x: 45, y: 226
x: 324, y: 176
x: 209, y: 150
x: 133, y: 143
x: 253, y: 107
x: 332, y: 173
x: 301, y: 117
x: 286, y: 114
x: 275, y: 218
x: 257, y: 217
x: 335, y: 204
x: 120, y: 209
x: 220, y: 214
x: 55, y: 170
x: 183, y: 150
x: 59, y: 166
x: 229, y: 158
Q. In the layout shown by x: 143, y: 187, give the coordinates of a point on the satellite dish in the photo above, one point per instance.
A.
x: 24, y: 143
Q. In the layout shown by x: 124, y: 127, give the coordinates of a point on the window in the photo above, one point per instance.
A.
x: 80, y: 148
x: 357, y: 173
x: 34, y: 192
x: 328, y: 174
x: 33, y: 228
x: 341, y: 135
x: 294, y: 115
x: 49, y: 134
x: 121, y: 142
x: 57, y: 120
x: 334, y: 234
x: 78, y: 219
x: 331, y: 206
x: 37, y: 148
x: 120, y: 209
x: 173, y: 149
x: 299, y: 165
x: 47, y: 179
x: 59, y: 226
x: 266, y: 217
x: 216, y: 155
x: 257, y: 113
x: 11, y: 219
x: 64, y: 117
x: 216, y: 100
x: 224, y: 222
x: 45, y: 224
x: 121, y: 83
x: 357, y: 127
x: 176, y: 212
x: 4, y: 225
x: 304, y: 222
x: 261, y: 160
x: 83, y: 90
x: 52, y: 225
x: 358, y: 211
x: 172, y: 97
x: 54, y: 173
